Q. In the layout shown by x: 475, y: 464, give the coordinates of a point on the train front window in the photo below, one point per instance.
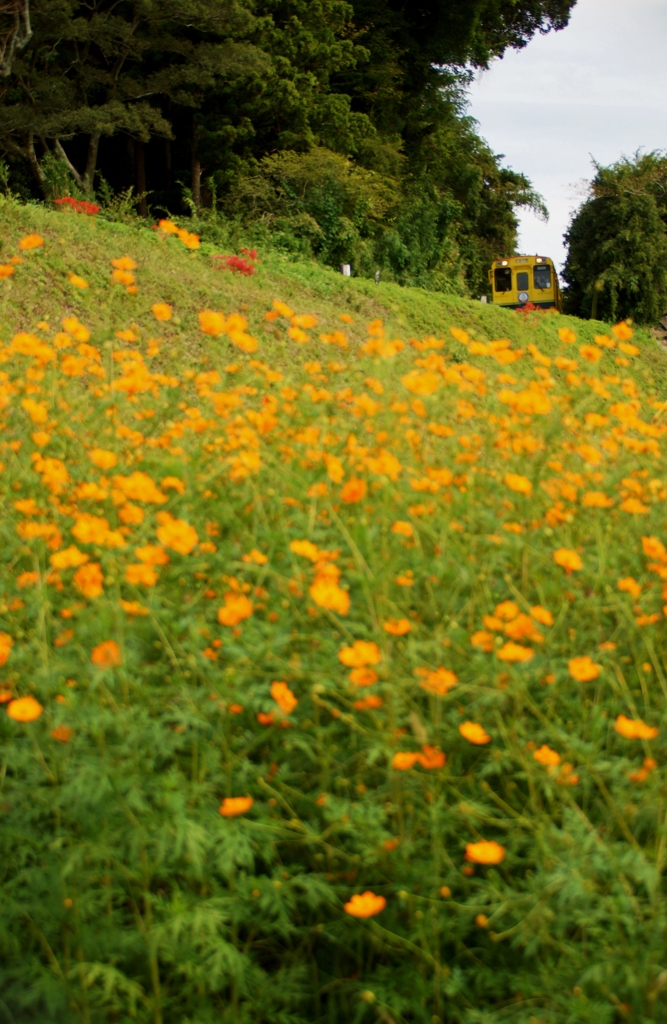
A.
x: 542, y: 277
x: 503, y: 279
x: 522, y: 281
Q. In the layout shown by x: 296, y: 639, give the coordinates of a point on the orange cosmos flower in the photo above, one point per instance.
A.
x: 405, y: 759
x: 78, y: 282
x: 354, y: 490
x: 123, y: 277
x: 518, y: 483
x: 133, y: 608
x: 402, y: 528
x: 306, y: 549
x: 237, y: 608
x: 90, y: 529
x: 176, y: 534
x: 514, y: 652
x: 24, y: 709
x: 68, y: 558
x: 635, y: 729
x: 283, y: 309
x: 6, y: 644
x: 161, y: 311
x: 583, y: 669
x: 283, y: 697
x: 6, y: 270
x: 106, y: 654
x: 523, y: 628
x: 31, y: 241
x: 5, y: 696
x: 506, y: 610
x: 366, y: 904
x: 628, y: 585
x: 140, y: 487
x: 622, y: 331
x: 361, y: 653
x: 654, y: 548
x: 255, y: 557
x: 369, y: 703
x: 649, y: 765
x: 152, y: 554
x: 485, y: 852
x: 474, y: 733
x: 232, y: 806
x: 88, y: 579
x: 168, y: 227
x: 568, y: 560
x: 634, y: 506
x: 326, y: 593
x: 542, y: 615
x: 212, y: 323
x: 141, y: 574
x: 566, y: 335
x: 62, y: 733
x: 124, y: 263
x: 546, y: 756
x: 439, y: 682
x: 172, y: 483
x: 421, y: 383
x: 363, y: 676
x: 37, y: 411
x: 483, y: 640
x: 27, y: 579
x: 432, y: 757
x: 397, y: 627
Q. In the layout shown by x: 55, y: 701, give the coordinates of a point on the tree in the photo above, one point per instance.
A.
x: 617, y: 243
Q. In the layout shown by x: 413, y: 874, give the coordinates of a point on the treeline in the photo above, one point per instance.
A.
x: 617, y: 243
x: 339, y: 128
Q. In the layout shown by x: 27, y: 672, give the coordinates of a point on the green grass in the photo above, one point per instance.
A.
x: 168, y: 272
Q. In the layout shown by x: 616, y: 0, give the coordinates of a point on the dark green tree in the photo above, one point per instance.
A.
x: 617, y: 243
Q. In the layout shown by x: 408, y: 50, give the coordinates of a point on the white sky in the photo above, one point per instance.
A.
x: 597, y: 89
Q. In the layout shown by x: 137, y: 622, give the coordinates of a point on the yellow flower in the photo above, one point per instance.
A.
x: 366, y: 904
x: 232, y: 806
x: 568, y: 560
x: 421, y: 383
x: 514, y: 652
x: 24, y: 709
x: 212, y: 323
x: 485, y: 852
x: 33, y: 241
x: 161, y: 311
x: 403, y: 528
x: 78, y: 282
x: 360, y: 654
x: 628, y: 585
x: 518, y: 483
x: 283, y: 697
x: 237, y: 608
x: 546, y: 756
x: 255, y: 557
x: 68, y: 558
x: 326, y: 593
x: 88, y: 579
x: 635, y: 729
x: 6, y: 644
x: 141, y: 574
x: 583, y: 669
x: 440, y: 681
x: 176, y: 534
x: 397, y: 627
x: 474, y: 733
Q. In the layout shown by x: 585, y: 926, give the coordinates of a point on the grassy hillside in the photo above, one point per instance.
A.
x: 168, y: 272
x: 333, y: 670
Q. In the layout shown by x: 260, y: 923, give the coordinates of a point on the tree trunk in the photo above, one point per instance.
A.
x: 196, y: 171
x: 140, y: 177
x: 37, y: 171
x: 91, y: 162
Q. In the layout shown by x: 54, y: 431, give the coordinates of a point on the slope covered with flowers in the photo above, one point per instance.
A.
x: 332, y: 684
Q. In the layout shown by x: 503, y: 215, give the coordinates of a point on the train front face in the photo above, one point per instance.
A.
x: 520, y: 280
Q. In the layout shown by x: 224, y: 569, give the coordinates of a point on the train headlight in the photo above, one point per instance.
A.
x: 523, y: 296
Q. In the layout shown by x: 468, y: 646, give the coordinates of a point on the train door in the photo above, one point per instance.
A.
x: 523, y: 285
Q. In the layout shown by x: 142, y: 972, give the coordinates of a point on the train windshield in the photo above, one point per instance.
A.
x: 522, y: 280
x: 503, y: 279
x: 542, y: 277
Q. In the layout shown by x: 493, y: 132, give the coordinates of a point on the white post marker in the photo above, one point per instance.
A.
x: 346, y: 270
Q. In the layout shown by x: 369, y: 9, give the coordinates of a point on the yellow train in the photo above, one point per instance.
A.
x: 519, y: 280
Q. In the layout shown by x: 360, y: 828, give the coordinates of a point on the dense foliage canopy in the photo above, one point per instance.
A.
x: 617, y: 260
x: 227, y: 97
